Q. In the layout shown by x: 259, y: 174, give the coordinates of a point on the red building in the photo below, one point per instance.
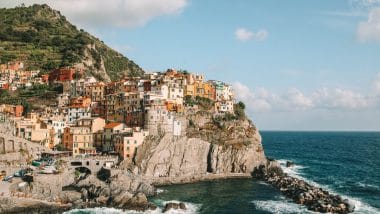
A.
x: 4, y: 86
x: 63, y: 74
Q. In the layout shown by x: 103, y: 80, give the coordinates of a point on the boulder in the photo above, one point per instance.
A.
x: 350, y: 206
x: 71, y: 196
x: 173, y: 205
x: 102, y: 200
x: 289, y: 163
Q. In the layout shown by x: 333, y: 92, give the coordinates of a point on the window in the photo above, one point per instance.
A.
x: 135, y: 141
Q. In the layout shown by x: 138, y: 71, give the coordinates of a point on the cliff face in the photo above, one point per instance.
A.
x: 205, y: 151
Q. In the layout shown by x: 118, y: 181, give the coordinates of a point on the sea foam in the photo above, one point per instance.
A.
x: 278, y: 207
x: 191, y: 208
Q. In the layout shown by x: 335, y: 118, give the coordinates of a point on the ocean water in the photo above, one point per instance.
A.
x: 347, y: 163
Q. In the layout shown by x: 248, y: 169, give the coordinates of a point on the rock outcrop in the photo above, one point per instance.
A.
x: 30, y: 206
x: 193, y: 157
x: 301, y: 192
x: 122, y: 190
x: 174, y: 206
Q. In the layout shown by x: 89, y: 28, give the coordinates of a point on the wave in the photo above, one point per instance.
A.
x: 283, y: 206
x: 158, y: 191
x: 191, y: 208
x: 367, y: 186
x: 296, y: 171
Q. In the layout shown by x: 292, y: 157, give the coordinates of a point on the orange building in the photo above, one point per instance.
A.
x: 80, y: 102
x: 173, y: 106
x: 67, y: 139
x: 201, y: 89
x: 14, y: 110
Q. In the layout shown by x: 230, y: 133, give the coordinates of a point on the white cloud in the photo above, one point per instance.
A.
x: 370, y: 30
x: 243, y: 35
x: 121, y: 13
x: 376, y: 84
x: 339, y: 99
x: 256, y: 101
x: 293, y: 100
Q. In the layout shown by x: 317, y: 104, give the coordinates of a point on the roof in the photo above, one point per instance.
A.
x: 111, y: 125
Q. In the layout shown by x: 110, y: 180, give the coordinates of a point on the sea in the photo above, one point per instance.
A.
x: 345, y: 163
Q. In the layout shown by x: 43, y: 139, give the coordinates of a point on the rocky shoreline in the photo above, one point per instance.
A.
x: 314, y: 198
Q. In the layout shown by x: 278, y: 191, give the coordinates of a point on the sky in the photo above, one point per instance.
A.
x: 298, y: 65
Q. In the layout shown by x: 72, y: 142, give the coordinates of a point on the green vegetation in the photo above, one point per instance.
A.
x: 60, y: 147
x: 239, y: 110
x: 77, y: 174
x: 45, y: 40
x: 202, y: 102
x: 30, y: 95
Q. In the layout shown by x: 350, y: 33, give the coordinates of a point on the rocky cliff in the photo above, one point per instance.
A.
x: 210, y: 148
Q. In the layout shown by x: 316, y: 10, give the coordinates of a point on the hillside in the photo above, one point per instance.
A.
x: 44, y: 39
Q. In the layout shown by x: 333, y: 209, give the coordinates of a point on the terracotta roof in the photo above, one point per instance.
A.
x: 111, y: 125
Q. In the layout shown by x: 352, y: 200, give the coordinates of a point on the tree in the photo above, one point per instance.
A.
x: 241, y: 105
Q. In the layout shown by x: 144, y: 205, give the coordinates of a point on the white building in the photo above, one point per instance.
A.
x: 223, y: 91
x: 224, y: 106
x: 63, y: 100
x: 75, y: 113
x: 58, y: 126
x: 158, y: 120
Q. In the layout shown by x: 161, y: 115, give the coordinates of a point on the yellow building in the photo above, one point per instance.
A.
x: 82, y: 140
x: 95, y: 91
x: 201, y: 89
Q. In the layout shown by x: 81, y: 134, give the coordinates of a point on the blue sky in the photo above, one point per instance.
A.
x: 299, y: 65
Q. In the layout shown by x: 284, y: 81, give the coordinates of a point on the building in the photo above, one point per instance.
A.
x: 67, y: 139
x: 13, y: 110
x: 75, y: 113
x: 79, y: 108
x: 82, y: 140
x: 96, y: 91
x: 223, y: 91
x: 62, y: 74
x: 226, y: 106
x: 127, y: 142
x: 63, y: 100
x: 24, y: 126
x: 58, y: 125
x: 201, y: 89
x: 108, y: 135
x: 158, y: 120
